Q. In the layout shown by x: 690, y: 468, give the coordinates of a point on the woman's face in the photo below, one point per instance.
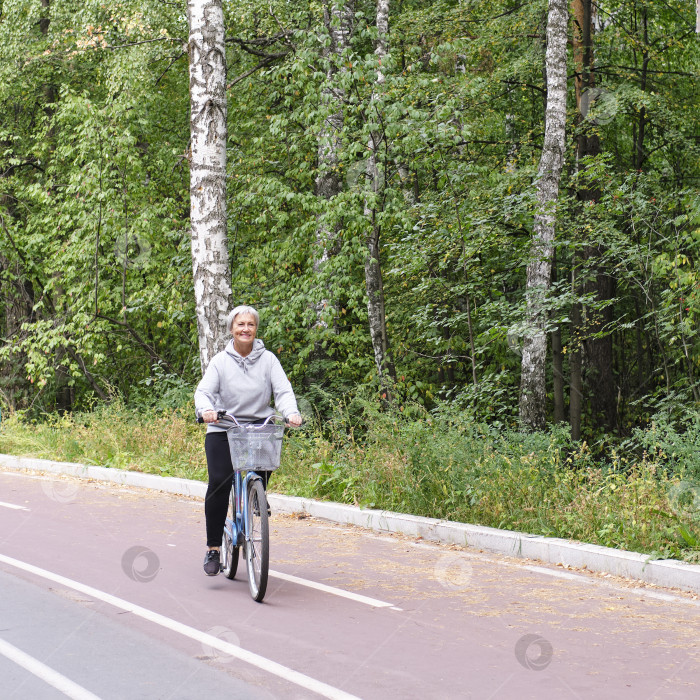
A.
x: 244, y: 329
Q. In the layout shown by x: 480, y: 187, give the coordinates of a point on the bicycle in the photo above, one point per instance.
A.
x: 252, y: 446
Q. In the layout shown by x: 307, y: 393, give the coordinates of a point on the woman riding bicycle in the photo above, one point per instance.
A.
x: 240, y: 380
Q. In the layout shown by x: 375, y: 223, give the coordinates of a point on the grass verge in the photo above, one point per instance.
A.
x: 538, y: 483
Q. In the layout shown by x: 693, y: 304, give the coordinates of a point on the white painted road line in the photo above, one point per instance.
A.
x: 557, y: 574
x: 47, y: 674
x: 267, y: 665
x: 12, y: 505
x: 640, y: 592
x: 334, y: 591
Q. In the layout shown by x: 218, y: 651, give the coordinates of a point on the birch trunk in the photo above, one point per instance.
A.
x: 338, y: 18
x: 376, y: 311
x: 210, y: 264
x: 533, y: 377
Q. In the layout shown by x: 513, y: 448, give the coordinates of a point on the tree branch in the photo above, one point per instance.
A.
x: 137, y: 337
x: 138, y: 43
x: 243, y: 76
x: 532, y: 87
x: 637, y: 69
x: 86, y: 372
x: 170, y: 65
x: 247, y: 45
x: 21, y: 165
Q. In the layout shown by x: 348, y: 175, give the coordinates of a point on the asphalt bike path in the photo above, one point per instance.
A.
x: 103, y: 586
x: 100, y: 656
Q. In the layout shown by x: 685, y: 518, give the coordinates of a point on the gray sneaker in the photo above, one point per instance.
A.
x: 212, y: 562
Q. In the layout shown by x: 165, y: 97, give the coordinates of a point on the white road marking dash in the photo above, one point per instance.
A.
x: 13, y: 506
x: 46, y: 673
x: 357, y: 597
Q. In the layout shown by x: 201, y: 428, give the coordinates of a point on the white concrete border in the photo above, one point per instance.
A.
x: 661, y: 572
x: 169, y: 484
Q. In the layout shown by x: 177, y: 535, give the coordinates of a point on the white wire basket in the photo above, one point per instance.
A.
x: 256, y: 447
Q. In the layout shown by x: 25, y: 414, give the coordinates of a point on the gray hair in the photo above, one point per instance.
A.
x: 242, y: 310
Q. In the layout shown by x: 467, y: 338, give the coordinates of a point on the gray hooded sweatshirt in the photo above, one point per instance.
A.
x: 244, y: 386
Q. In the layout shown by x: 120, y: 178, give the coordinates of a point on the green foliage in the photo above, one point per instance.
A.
x: 95, y: 198
x: 95, y: 280
x: 672, y: 442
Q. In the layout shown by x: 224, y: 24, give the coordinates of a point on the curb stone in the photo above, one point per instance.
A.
x: 667, y: 573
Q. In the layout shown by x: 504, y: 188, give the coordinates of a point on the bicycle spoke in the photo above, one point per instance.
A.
x: 229, y: 550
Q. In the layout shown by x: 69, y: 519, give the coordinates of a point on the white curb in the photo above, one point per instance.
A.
x: 661, y: 572
x: 169, y: 484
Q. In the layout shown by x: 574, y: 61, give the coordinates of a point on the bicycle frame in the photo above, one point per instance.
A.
x: 239, y: 529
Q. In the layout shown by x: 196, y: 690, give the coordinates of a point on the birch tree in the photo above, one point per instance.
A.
x: 210, y: 263
x: 534, y: 356
x: 373, y: 271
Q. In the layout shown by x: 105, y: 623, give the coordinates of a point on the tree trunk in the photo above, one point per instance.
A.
x: 472, y: 348
x: 210, y: 265
x: 575, y: 383
x: 376, y: 313
x: 600, y: 380
x: 557, y: 363
x: 50, y: 93
x: 588, y: 142
x: 373, y: 271
x: 533, y: 376
x: 338, y: 18
x: 558, y: 375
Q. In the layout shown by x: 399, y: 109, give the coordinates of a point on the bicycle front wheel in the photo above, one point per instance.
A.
x: 229, y: 548
x: 257, y: 550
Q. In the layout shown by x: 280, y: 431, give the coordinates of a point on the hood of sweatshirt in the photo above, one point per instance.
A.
x: 250, y: 359
x: 244, y: 385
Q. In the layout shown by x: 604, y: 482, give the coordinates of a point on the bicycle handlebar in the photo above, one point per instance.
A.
x: 232, y: 420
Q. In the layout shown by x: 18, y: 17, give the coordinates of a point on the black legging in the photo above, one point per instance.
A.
x: 220, y: 476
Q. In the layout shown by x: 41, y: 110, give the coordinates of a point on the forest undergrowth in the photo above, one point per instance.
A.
x: 640, y: 494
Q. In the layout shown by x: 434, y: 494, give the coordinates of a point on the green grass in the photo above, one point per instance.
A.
x: 542, y: 483
x: 168, y: 444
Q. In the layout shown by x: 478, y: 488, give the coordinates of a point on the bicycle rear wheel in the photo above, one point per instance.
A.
x: 257, y: 547
x: 229, y: 550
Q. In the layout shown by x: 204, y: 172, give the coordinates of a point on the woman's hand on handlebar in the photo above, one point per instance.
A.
x: 210, y: 417
x: 294, y: 420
